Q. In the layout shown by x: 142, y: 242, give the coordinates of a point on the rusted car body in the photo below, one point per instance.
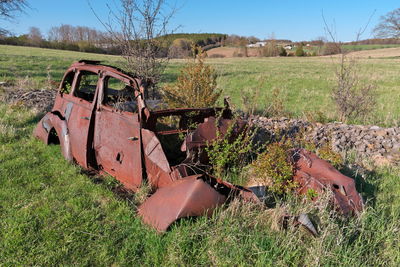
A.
x: 102, y: 121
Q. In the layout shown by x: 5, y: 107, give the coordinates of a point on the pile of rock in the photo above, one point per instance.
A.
x: 367, y: 141
x: 41, y: 99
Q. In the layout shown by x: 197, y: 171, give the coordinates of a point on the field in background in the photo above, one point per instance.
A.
x: 360, y: 47
x: 51, y: 213
x: 303, y: 83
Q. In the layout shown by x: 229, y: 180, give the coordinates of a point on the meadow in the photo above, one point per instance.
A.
x: 52, y: 213
x: 304, y: 84
x: 360, y: 47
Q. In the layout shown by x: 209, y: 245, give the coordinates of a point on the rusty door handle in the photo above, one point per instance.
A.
x: 85, y: 118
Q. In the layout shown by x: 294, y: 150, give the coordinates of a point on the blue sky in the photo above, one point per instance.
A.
x: 295, y: 20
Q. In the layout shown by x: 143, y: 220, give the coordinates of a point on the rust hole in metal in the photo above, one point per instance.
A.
x: 168, y: 149
x: 119, y: 157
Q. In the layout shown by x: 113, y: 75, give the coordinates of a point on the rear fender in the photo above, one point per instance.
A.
x: 53, y: 120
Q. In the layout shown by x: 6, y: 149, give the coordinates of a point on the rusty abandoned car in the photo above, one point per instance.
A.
x: 103, y: 121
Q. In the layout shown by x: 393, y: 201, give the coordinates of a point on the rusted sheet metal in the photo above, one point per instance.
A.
x: 126, y: 145
x: 156, y: 163
x: 195, y: 195
x: 211, y: 129
x: 52, y: 124
x: 117, y: 145
x: 187, y: 197
x: 312, y: 172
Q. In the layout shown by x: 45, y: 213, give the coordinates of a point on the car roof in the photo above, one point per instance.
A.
x: 96, y: 66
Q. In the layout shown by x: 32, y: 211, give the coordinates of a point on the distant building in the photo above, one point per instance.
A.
x: 288, y: 47
x: 257, y: 44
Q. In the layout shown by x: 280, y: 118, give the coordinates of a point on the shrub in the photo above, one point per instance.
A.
x: 282, y: 52
x: 227, y: 153
x: 196, y: 86
x: 273, y: 168
x: 353, y: 98
x: 276, y: 105
x: 270, y: 50
x: 300, y: 51
x: 326, y: 153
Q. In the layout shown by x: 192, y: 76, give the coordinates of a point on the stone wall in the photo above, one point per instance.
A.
x: 367, y: 141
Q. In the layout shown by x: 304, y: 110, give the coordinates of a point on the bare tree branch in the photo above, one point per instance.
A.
x: 353, y: 98
x: 389, y: 25
x: 8, y: 9
x: 137, y: 27
x: 362, y: 30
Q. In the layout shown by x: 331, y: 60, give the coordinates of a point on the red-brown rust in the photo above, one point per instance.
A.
x: 126, y: 145
x: 184, y: 198
x: 195, y: 195
x: 314, y: 173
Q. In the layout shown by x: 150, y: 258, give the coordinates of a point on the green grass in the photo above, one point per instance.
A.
x: 368, y: 47
x: 304, y: 83
x: 53, y: 214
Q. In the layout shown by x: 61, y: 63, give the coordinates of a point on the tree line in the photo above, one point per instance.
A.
x: 65, y: 37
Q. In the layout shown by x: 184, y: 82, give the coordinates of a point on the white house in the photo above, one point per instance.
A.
x: 257, y: 44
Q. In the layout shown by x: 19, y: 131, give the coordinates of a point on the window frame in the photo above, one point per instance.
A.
x: 77, y: 81
x: 104, y: 78
x: 61, y: 87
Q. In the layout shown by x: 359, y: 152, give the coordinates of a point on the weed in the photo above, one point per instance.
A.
x: 273, y: 167
x: 230, y: 151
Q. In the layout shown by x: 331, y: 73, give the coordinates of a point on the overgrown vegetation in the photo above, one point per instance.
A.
x: 300, y: 51
x: 304, y: 84
x: 196, y: 86
x: 53, y: 214
x: 273, y: 168
x: 353, y: 98
x: 229, y: 153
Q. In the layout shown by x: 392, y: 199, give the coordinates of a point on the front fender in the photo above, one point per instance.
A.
x: 53, y: 121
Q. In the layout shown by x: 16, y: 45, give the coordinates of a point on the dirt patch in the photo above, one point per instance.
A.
x: 40, y: 99
x: 375, y: 53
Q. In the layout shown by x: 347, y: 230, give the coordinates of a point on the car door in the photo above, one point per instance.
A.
x: 117, y: 140
x: 79, y: 107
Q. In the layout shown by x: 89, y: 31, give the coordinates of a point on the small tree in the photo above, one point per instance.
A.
x: 35, y: 36
x: 300, y: 51
x: 196, y: 86
x: 138, y: 27
x: 282, y: 52
x: 352, y: 98
x: 270, y: 50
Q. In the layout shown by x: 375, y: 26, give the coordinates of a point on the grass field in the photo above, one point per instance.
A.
x: 368, y: 47
x: 304, y: 83
x: 53, y: 214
